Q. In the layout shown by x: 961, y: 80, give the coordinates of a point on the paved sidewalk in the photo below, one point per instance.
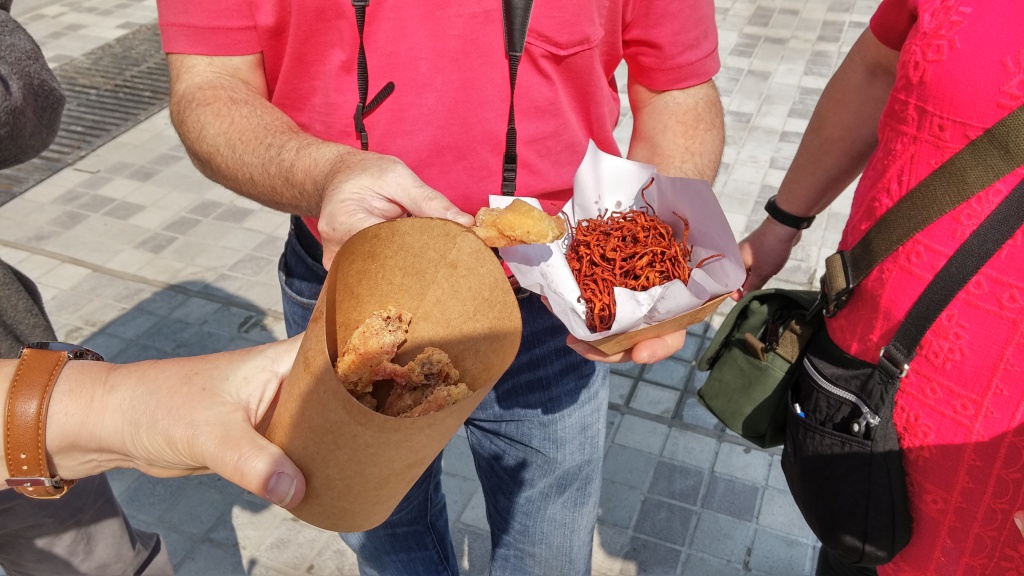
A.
x: 139, y: 256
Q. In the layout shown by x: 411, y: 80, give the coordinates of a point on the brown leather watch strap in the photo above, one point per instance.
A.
x: 25, y: 426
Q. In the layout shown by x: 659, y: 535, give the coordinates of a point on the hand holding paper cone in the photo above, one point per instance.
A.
x: 359, y: 463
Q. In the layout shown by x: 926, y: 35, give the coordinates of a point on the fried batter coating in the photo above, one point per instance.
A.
x: 416, y: 381
x: 373, y: 344
x: 428, y: 383
x: 438, y: 399
x: 517, y: 223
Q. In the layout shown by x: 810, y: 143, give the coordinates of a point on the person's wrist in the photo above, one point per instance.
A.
x: 82, y: 430
x: 780, y: 214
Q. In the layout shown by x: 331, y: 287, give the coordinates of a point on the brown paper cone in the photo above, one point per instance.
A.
x: 359, y: 464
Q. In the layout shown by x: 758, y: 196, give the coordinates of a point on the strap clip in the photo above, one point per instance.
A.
x: 893, y: 363
x: 836, y: 283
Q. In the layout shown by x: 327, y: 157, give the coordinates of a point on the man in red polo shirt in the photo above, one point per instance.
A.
x: 263, y: 95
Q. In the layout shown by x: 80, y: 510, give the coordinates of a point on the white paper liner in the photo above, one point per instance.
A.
x: 609, y: 183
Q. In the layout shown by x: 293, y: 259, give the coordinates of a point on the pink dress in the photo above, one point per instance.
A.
x: 960, y: 410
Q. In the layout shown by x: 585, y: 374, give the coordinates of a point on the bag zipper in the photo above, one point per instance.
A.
x: 868, y: 420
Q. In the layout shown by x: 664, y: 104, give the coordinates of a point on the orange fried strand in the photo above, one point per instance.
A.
x: 635, y: 250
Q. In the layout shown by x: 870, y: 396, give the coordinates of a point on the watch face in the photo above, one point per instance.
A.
x: 74, y: 352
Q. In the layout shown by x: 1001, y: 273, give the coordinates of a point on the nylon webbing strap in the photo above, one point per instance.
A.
x: 516, y: 14
x: 982, y: 162
x: 364, y: 109
x: 963, y: 265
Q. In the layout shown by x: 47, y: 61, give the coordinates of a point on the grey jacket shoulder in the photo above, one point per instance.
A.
x: 31, y: 99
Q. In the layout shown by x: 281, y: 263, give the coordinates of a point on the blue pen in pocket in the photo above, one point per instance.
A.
x: 799, y: 412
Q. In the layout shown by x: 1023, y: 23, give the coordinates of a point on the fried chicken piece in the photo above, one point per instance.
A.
x: 417, y: 380
x: 438, y: 399
x: 517, y: 223
x: 373, y: 344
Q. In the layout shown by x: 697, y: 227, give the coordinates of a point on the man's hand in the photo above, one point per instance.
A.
x: 369, y: 188
x: 644, y: 352
x: 765, y: 251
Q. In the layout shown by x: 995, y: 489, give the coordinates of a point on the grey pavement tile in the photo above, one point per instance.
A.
x: 628, y: 369
x: 121, y: 478
x: 611, y: 427
x: 123, y: 210
x: 292, y: 543
x: 150, y: 498
x: 619, y: 504
x: 641, y: 434
x: 181, y: 225
x: 699, y: 565
x: 252, y: 265
x: 207, y: 558
x: 619, y: 388
x: 690, y: 350
x: 334, y: 559
x: 664, y: 521
x: 156, y: 243
x: 195, y: 311
x: 93, y: 182
x: 677, y: 482
x: 233, y: 214
x: 94, y: 203
x: 722, y: 537
x: 628, y: 466
x: 610, y: 543
x: 648, y: 558
x: 197, y: 510
x: 777, y: 554
x: 671, y: 372
x: 457, y: 458
x: 458, y: 492
x: 776, y: 477
x: 654, y: 399
x: 206, y: 208
x: 747, y: 463
x: 691, y: 448
x: 67, y: 219
x: 131, y: 324
x: 732, y: 497
x: 475, y: 514
x: 779, y: 512
x: 693, y: 412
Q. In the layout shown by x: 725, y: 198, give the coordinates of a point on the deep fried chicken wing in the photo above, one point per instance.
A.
x: 373, y: 344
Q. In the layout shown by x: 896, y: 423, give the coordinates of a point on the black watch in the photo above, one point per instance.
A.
x: 785, y: 218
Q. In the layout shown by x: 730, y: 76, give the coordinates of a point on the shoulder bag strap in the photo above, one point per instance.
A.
x: 517, y: 19
x: 997, y: 228
x: 982, y: 162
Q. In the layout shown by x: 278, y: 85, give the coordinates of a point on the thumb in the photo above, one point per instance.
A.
x: 1018, y: 519
x: 425, y: 201
x: 254, y: 463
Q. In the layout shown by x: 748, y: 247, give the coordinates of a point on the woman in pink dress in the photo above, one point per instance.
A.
x: 927, y: 77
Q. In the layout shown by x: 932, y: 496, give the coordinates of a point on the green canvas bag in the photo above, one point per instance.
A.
x: 755, y: 355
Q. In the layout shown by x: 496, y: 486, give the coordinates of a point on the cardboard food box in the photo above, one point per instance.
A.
x: 603, y: 184
x: 358, y: 463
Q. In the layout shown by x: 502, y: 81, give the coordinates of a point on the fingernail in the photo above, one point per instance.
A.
x: 460, y: 216
x: 1019, y: 523
x: 280, y: 489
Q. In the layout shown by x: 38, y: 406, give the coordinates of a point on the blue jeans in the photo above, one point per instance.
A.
x: 537, y: 440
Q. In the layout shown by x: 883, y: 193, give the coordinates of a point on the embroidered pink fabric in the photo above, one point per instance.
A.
x: 960, y: 410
